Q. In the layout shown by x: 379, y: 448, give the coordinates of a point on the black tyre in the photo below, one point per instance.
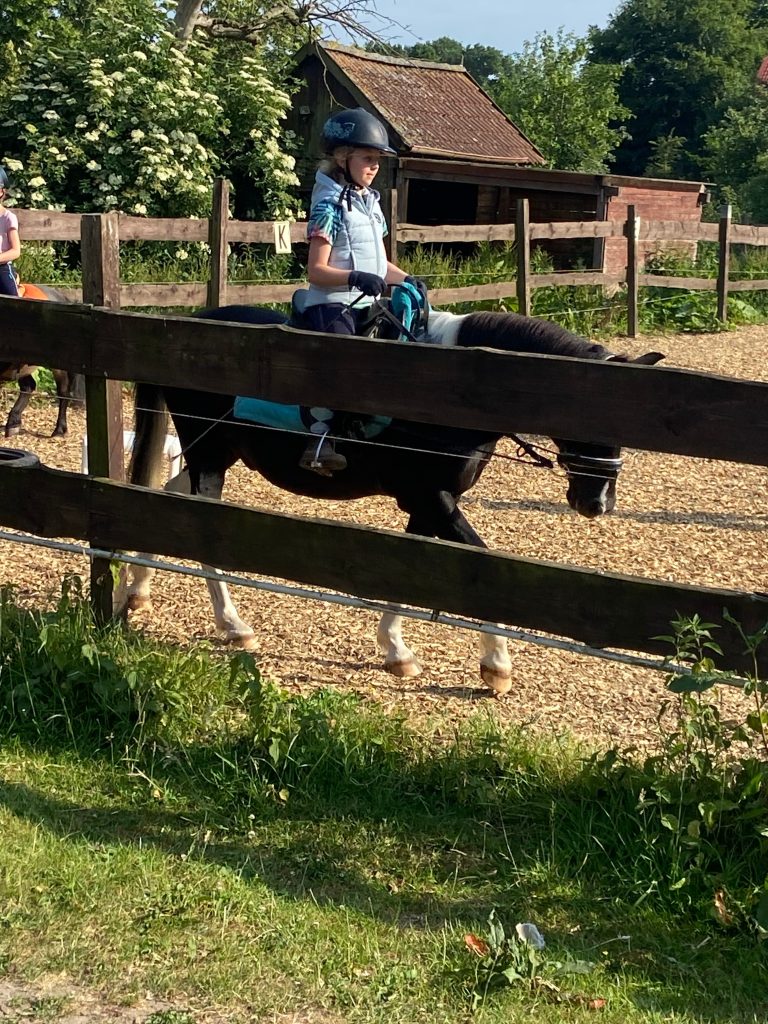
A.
x: 18, y: 458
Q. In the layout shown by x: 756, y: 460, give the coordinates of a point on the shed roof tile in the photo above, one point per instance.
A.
x: 436, y: 109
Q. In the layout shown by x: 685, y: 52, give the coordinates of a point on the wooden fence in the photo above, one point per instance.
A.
x: 219, y: 231
x: 646, y: 407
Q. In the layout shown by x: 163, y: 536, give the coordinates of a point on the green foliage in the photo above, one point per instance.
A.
x: 45, y: 263
x: 678, y: 826
x: 519, y: 959
x: 680, y: 310
x: 736, y: 154
x: 109, y: 111
x: 701, y: 802
x: 683, y: 63
x: 567, y: 106
x: 59, y: 672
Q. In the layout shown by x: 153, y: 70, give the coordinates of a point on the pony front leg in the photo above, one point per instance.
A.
x: 495, y: 663
x: 438, y: 515
x: 228, y: 622
x: 399, y: 659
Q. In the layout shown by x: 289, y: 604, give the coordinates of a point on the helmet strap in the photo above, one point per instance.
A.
x: 348, y: 177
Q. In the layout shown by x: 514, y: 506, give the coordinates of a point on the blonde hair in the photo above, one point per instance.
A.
x: 333, y: 163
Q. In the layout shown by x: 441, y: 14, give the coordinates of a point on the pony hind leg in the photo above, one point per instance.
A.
x: 27, y: 387
x: 228, y: 622
x: 135, y: 595
x: 65, y: 391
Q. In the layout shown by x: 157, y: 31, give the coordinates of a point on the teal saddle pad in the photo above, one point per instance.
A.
x: 289, y: 417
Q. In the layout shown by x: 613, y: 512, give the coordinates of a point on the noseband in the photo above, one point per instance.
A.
x: 589, y: 465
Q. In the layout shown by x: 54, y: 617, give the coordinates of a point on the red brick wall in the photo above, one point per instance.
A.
x: 650, y: 204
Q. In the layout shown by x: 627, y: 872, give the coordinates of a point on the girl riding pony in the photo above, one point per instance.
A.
x: 347, y: 266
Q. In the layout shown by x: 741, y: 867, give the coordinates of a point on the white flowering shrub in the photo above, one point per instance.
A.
x: 112, y: 113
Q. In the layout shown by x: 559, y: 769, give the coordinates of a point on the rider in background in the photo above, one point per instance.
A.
x: 347, y: 266
x: 10, y: 246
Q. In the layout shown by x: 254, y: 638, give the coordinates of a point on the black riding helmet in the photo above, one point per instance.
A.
x: 356, y: 128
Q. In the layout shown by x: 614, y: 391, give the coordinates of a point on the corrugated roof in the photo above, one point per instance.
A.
x: 762, y: 72
x: 436, y: 109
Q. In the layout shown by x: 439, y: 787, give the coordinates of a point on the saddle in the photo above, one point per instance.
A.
x: 403, y: 317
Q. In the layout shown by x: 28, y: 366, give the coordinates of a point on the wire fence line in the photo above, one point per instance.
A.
x: 349, y: 601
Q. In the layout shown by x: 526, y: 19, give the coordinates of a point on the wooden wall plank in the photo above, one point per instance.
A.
x: 578, y: 229
x: 48, y: 225
x: 678, y: 231
x: 103, y: 397
x: 456, y: 233
x: 194, y: 294
x: 163, y: 229
x: 216, y: 294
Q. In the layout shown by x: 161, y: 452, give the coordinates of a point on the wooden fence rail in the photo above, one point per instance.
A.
x: 646, y: 407
x: 219, y: 231
x: 598, y: 608
x: 662, y: 409
x: 654, y: 408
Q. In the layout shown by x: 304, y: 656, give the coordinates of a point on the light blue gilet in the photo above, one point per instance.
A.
x: 359, y: 244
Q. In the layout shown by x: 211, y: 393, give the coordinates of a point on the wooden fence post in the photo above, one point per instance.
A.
x: 217, y: 239
x: 100, y: 249
x: 723, y: 261
x: 632, y: 228
x: 389, y: 201
x: 523, y: 239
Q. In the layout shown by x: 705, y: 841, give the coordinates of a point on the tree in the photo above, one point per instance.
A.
x: 683, y: 62
x: 109, y: 111
x: 486, y: 64
x: 137, y: 104
x: 255, y: 20
x: 565, y: 105
x: 736, y: 155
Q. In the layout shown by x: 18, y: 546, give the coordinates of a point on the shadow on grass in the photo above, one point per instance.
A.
x: 408, y: 856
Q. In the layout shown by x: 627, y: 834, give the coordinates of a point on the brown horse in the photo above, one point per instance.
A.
x: 69, y: 386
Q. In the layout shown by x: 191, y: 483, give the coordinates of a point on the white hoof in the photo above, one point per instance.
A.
x: 243, y: 641
x: 136, y: 603
x: 499, y: 682
x: 403, y: 669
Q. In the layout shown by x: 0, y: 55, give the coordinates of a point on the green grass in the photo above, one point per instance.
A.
x: 172, y: 822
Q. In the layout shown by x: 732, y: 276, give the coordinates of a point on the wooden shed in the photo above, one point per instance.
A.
x: 461, y: 159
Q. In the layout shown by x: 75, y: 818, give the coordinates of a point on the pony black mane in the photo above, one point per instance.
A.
x: 514, y: 333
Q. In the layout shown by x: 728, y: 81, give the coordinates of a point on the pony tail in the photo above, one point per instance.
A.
x: 151, y: 425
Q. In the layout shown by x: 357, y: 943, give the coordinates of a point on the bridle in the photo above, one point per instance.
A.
x: 576, y: 464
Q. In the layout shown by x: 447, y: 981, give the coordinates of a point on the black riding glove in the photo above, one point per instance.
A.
x: 368, y: 284
x: 421, y: 288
